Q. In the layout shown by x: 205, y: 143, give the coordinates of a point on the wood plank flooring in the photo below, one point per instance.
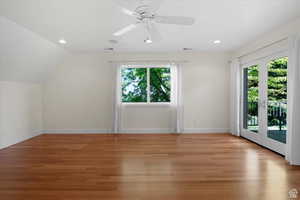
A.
x: 144, y: 167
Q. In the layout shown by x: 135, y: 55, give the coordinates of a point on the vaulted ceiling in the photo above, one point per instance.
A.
x: 88, y: 25
x: 24, y: 55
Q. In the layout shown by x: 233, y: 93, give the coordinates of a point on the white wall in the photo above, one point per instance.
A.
x: 78, y: 97
x: 20, y: 112
x: 26, y: 59
x: 141, y: 118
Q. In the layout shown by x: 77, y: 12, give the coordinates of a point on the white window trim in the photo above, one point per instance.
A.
x: 148, y: 103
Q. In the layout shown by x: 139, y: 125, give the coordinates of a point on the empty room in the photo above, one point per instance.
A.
x: 149, y: 99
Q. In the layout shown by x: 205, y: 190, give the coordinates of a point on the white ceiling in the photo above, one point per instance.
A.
x: 25, y: 56
x: 87, y: 25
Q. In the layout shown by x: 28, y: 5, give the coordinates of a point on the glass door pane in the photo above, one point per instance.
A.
x: 251, y: 99
x: 277, y: 99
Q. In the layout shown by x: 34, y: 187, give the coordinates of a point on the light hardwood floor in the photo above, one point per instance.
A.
x: 144, y: 167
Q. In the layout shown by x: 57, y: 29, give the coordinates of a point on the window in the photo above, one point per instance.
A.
x: 146, y: 84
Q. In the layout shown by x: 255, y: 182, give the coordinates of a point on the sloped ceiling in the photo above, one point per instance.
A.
x: 88, y: 25
x: 24, y: 55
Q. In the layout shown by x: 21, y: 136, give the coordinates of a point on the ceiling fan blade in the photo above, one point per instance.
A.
x: 129, y: 12
x: 174, y: 20
x: 125, y: 30
x: 153, y: 32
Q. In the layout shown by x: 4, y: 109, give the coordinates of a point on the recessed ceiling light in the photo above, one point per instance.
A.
x: 217, y: 41
x: 62, y: 41
x: 148, y: 41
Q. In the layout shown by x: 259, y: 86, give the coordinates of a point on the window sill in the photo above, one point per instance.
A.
x: 146, y: 104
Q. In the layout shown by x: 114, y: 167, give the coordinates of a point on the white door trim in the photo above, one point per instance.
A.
x: 262, y: 136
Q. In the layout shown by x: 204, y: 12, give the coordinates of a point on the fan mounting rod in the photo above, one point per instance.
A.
x: 143, y: 13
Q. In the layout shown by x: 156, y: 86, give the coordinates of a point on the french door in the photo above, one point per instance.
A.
x: 264, y: 102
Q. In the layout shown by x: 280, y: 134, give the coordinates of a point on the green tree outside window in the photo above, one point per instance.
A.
x: 135, y: 85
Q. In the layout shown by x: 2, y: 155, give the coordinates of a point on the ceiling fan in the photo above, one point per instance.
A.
x: 144, y: 11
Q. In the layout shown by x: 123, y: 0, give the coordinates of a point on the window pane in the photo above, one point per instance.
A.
x: 251, y: 83
x: 160, y: 84
x: 277, y: 99
x: 134, y: 85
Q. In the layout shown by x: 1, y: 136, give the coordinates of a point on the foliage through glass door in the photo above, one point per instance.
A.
x: 277, y: 99
x: 251, y: 98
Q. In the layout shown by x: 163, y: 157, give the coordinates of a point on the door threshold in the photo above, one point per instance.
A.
x: 263, y: 147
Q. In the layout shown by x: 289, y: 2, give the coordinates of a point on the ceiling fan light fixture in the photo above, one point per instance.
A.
x: 62, y: 41
x: 148, y: 41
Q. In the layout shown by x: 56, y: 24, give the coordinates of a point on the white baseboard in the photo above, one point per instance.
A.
x: 136, y: 131
x: 34, y: 134
x: 296, y: 163
x: 147, y: 131
x: 106, y: 131
x: 206, y: 130
x: 124, y: 131
x: 77, y: 131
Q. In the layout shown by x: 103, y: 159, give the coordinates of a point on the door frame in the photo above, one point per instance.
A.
x: 268, y: 142
x: 262, y: 136
x: 253, y: 136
